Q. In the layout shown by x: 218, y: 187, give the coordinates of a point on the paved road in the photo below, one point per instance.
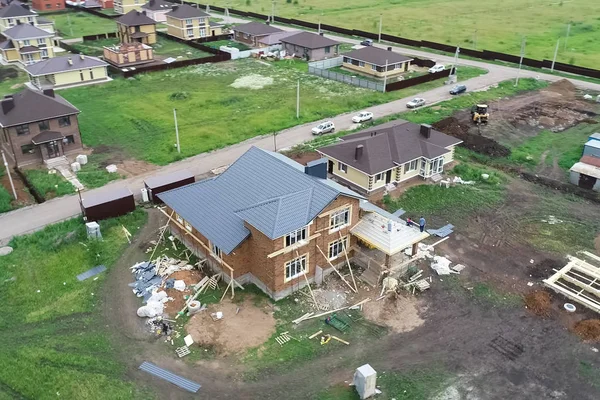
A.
x: 35, y: 217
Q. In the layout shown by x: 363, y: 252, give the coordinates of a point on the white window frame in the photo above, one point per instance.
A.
x: 379, y: 177
x: 361, y: 64
x: 189, y: 32
x: 374, y: 67
x: 188, y: 226
x: 410, y: 166
x: 26, y: 42
x: 215, y: 251
x: 188, y: 22
x: 337, y: 247
x: 202, y: 32
x: 340, y: 219
x: 297, y: 237
x: 342, y: 167
x: 303, y: 267
x: 178, y: 218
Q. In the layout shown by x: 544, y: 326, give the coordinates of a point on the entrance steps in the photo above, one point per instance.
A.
x: 61, y: 164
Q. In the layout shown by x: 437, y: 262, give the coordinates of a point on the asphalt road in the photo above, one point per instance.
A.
x: 37, y: 216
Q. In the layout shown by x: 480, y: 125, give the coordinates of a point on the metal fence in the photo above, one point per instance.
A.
x: 321, y: 68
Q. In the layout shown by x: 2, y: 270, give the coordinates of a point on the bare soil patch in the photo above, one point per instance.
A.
x: 399, y: 313
x: 588, y: 329
x: 24, y: 198
x: 305, y: 158
x: 250, y: 327
x: 125, y: 165
x: 539, y: 302
x: 190, y: 278
x: 545, y: 268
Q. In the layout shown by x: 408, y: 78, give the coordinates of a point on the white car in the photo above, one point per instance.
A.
x: 437, y: 68
x: 362, y: 117
x: 415, y: 103
x: 324, y: 127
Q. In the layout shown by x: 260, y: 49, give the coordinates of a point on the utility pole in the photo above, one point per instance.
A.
x: 12, y: 185
x: 275, y: 141
x: 380, y: 26
x: 523, y: 43
x: 385, y: 75
x: 319, y: 30
x: 176, y: 130
x: 273, y: 12
x: 555, y: 54
x: 568, y: 33
x: 298, y: 100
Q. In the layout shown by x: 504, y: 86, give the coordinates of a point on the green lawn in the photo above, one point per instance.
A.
x: 136, y: 115
x: 49, y: 185
x: 11, y: 79
x: 229, y: 43
x: 95, y: 47
x: 5, y: 197
x: 460, y: 22
x: 77, y: 24
x: 94, y: 175
x: 53, y: 344
x: 170, y: 48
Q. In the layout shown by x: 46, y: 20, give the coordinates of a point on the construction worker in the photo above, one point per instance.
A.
x: 408, y: 221
x: 422, y: 223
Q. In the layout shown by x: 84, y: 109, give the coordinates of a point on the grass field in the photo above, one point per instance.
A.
x: 136, y: 116
x: 163, y: 47
x: 77, y: 24
x: 11, y: 79
x: 5, y: 196
x: 94, y: 47
x: 48, y: 185
x: 53, y: 344
x: 497, y: 26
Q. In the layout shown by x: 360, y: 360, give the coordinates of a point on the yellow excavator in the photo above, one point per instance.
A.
x: 480, y: 114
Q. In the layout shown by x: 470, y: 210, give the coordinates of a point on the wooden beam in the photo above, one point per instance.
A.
x: 225, y: 292
x: 590, y: 255
x: 162, y: 232
x: 347, y: 260
x: 340, y: 340
x: 336, y: 310
x: 336, y: 270
x: 315, y: 334
x: 308, y: 284
x: 573, y: 296
x: 292, y: 248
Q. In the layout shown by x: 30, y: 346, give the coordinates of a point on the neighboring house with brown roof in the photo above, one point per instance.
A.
x: 67, y: 71
x: 376, y: 62
x: 125, y: 6
x: 128, y: 54
x: 38, y: 126
x: 188, y: 23
x: 136, y: 26
x: 15, y: 12
x: 389, y: 153
x: 26, y: 44
x: 157, y: 9
x: 310, y: 46
x: 253, y: 32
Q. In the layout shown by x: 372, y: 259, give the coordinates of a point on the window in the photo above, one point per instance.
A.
x: 81, y: 75
x: 216, y: 251
x: 29, y: 19
x: 336, y: 248
x: 342, y: 167
x: 374, y: 67
x: 398, y: 66
x: 41, y: 42
x: 410, y: 166
x: 45, y: 53
x: 28, y: 149
x: 178, y: 218
x: 339, y: 219
x: 202, y: 32
x: 22, y: 130
x: 11, y: 21
x: 188, y: 21
x: 64, y: 121
x: 202, y: 21
x: 361, y: 64
x: 91, y: 74
x: 190, y: 32
x: 295, y: 236
x: 44, y: 125
x: 137, y: 1
x: 327, y: 49
x: 346, y: 60
x: 295, y: 268
x: 48, y: 5
x: 70, y: 139
x: 379, y: 177
x: 188, y: 226
x: 26, y: 43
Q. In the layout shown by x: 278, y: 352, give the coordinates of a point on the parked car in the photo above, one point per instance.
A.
x: 416, y: 102
x: 362, y: 117
x: 367, y: 42
x: 458, y: 89
x: 437, y: 68
x: 324, y: 127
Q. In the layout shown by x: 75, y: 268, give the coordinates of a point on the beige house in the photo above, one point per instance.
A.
x: 157, y: 9
x: 376, y: 62
x: 389, y: 153
x: 188, y: 23
x: 26, y: 44
x: 128, y: 54
x: 124, y: 6
x: 67, y: 71
x: 15, y: 13
x: 136, y: 26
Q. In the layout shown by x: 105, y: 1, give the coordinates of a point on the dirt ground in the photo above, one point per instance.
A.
x: 400, y: 313
x: 24, y: 198
x: 190, y: 278
x: 240, y: 330
x: 305, y: 158
x: 125, y: 166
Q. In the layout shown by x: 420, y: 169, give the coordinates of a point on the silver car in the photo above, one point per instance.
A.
x: 415, y: 103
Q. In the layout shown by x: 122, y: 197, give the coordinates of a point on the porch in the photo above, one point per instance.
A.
x: 50, y: 144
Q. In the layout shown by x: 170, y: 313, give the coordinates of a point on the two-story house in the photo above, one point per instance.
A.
x: 157, y: 9
x: 188, y: 23
x: 38, y: 126
x: 15, y: 12
x: 389, y: 153
x: 26, y: 44
x: 136, y: 26
x: 124, y: 6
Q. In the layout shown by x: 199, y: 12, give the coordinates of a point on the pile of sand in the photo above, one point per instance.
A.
x: 588, y: 329
x: 563, y: 87
x: 539, y: 302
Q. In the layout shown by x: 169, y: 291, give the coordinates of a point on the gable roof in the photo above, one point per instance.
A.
x: 135, y: 18
x: 61, y: 64
x: 186, y: 11
x: 31, y: 105
x: 309, y: 40
x: 388, y: 145
x: 275, y: 38
x: 377, y: 56
x: 157, y: 5
x: 270, y: 193
x: 16, y: 9
x: 256, y: 29
x: 26, y: 31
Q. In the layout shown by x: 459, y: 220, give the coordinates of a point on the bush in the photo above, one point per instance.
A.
x: 179, y: 96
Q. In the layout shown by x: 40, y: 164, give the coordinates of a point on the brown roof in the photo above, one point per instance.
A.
x: 135, y: 18
x: 591, y: 160
x: 31, y: 106
x: 185, y: 11
x: 309, y: 40
x: 388, y: 145
x: 256, y: 29
x: 377, y: 56
x: 47, y: 136
x: 29, y: 49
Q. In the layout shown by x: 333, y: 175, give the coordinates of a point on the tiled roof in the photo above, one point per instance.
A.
x: 31, y: 105
x: 26, y: 31
x: 16, y: 9
x: 309, y: 40
x: 158, y: 5
x: 135, y: 18
x: 256, y: 29
x: 186, y: 11
x: 61, y: 64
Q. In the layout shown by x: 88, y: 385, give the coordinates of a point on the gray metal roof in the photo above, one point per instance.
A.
x: 26, y: 31
x: 61, y: 64
x: 165, y: 179
x: 256, y: 29
x: 275, y: 38
x: 266, y: 189
x: 16, y: 9
x: 309, y: 40
x: 92, y: 199
x: 377, y: 56
x: 31, y: 105
x: 168, y: 376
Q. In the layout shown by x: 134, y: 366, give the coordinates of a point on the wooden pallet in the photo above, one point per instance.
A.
x: 283, y: 338
x: 182, y: 351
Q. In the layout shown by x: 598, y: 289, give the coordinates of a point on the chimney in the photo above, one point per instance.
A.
x: 390, y: 48
x: 70, y: 61
x: 144, y: 12
x: 8, y: 103
x: 317, y: 168
x: 322, y: 33
x: 25, y: 6
x: 358, y: 152
x: 425, y: 131
x: 49, y: 92
x: 175, y: 8
x: 82, y: 57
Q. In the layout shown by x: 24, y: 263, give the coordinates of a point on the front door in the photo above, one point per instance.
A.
x: 330, y: 166
x: 586, y: 181
x: 53, y: 150
x: 388, y: 177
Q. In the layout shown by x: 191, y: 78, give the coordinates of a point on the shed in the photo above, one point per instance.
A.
x: 592, y: 148
x: 595, y: 136
x: 107, y: 204
x: 586, y: 176
x: 163, y: 183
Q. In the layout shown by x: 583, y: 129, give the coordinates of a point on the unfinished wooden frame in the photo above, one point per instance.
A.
x: 579, y: 281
